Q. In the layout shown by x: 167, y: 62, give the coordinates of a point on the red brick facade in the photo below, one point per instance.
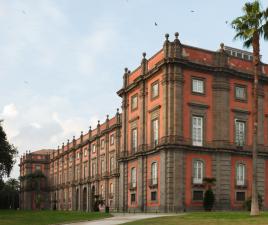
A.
x: 186, y: 115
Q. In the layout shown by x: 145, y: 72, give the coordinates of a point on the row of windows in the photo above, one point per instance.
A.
x: 198, y: 87
x: 198, y: 131
x: 154, y: 175
x: 154, y: 95
x: 198, y: 173
x: 154, y: 135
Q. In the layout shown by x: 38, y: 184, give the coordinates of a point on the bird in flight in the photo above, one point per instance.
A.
x: 155, y: 24
x: 192, y: 11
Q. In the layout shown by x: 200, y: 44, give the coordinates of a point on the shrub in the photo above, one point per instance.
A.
x: 247, y: 203
x: 209, y: 200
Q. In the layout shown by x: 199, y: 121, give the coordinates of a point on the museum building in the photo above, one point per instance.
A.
x: 186, y: 115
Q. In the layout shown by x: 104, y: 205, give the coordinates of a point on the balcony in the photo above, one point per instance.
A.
x: 241, y: 184
x: 197, y: 182
x: 132, y: 186
x: 153, y: 183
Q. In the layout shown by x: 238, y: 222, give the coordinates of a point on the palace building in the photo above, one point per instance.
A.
x: 186, y: 115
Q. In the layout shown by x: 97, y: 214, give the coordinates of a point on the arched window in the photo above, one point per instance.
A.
x: 240, y: 174
x: 133, y: 177
x: 198, y: 172
x: 154, y: 173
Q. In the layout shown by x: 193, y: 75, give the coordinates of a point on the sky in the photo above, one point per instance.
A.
x: 62, y: 61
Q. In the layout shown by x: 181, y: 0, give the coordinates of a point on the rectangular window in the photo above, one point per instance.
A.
x: 93, y: 172
x: 93, y: 148
x: 85, y: 170
x: 134, y: 139
x: 155, y: 90
x: 133, y: 198
x: 240, y: 93
x: 240, y: 132
x: 153, y: 196
x: 240, y: 174
x: 155, y: 131
x: 240, y: 196
x: 37, y: 167
x: 85, y: 151
x: 112, y: 139
x: 134, y: 102
x: 198, y: 195
x: 102, y: 144
x: 197, y: 130
x: 198, y: 172
x: 77, y: 155
x: 102, y: 167
x: 198, y: 86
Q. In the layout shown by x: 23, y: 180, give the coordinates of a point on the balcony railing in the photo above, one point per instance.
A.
x: 197, y: 181
x: 241, y: 184
x: 132, y: 186
x: 153, y: 183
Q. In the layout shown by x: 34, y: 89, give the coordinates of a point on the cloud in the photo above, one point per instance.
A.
x: 9, y: 111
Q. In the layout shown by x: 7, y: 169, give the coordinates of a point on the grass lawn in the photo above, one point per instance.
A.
x: 212, y: 218
x: 10, y: 217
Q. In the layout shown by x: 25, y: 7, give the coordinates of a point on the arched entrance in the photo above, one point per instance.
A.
x: 93, y: 198
x: 77, y: 199
x: 85, y: 199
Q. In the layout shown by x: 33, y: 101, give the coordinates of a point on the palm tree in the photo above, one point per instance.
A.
x: 250, y: 28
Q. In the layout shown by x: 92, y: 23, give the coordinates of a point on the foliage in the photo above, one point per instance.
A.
x: 7, y: 154
x: 209, y: 180
x: 9, y: 194
x: 254, y: 21
x: 209, y: 200
x: 247, y: 203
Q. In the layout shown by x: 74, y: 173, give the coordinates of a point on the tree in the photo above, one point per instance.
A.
x: 250, y: 27
x: 7, y: 154
x: 209, y: 197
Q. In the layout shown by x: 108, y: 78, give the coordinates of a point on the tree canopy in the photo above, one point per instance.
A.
x: 8, y: 153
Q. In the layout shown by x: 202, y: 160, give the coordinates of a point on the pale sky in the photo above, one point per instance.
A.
x: 62, y: 61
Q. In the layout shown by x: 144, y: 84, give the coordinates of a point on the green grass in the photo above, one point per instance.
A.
x: 10, y: 217
x: 204, y: 218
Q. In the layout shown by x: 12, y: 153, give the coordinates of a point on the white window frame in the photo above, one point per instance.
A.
x: 94, y: 148
x: 133, y: 177
x: 155, y: 89
x: 197, y: 130
x: 134, y: 139
x: 134, y: 102
x: 155, y: 131
x: 102, y: 143
x: 154, y: 174
x: 198, y: 85
x: 240, y: 92
x: 240, y: 132
x: 198, y: 173
x: 240, y: 174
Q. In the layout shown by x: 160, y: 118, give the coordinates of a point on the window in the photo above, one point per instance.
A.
x: 77, y: 155
x: 154, y: 173
x: 111, y: 164
x: 85, y: 151
x: 197, y: 130
x: 93, y: 169
x: 111, y: 188
x: 133, y: 177
x: 102, y: 191
x: 198, y: 195
x: 240, y: 93
x: 198, y: 85
x: 85, y: 170
x: 102, y: 167
x: 155, y: 90
x: 198, y: 172
x: 240, y: 174
x: 155, y: 131
x: 133, y: 198
x: 134, y: 139
x: 239, y: 133
x: 240, y: 196
x: 112, y: 139
x: 153, y: 196
x: 37, y: 167
x: 134, y: 102
x: 93, y: 148
x: 102, y: 144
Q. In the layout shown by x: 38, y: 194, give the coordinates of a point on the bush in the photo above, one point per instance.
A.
x: 247, y: 203
x: 209, y: 200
